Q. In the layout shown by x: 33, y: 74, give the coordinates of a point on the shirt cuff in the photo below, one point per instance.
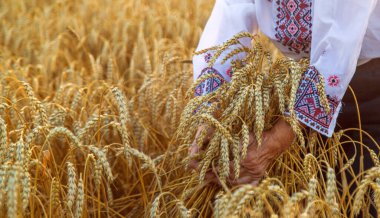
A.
x: 309, y: 108
x: 211, y: 83
x: 217, y: 74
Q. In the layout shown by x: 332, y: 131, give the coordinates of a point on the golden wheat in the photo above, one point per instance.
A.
x: 97, y: 111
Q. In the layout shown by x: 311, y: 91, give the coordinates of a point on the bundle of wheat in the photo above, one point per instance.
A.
x: 263, y: 85
x: 257, y: 96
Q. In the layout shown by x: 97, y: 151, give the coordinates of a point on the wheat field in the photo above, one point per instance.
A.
x: 97, y: 115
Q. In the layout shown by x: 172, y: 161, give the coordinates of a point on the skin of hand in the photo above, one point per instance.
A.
x: 274, y: 142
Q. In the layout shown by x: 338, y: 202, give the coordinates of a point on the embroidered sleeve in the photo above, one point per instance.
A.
x: 211, y: 83
x: 227, y: 19
x: 338, y: 32
x: 309, y: 108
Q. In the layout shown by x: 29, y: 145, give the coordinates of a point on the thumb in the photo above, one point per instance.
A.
x: 194, y: 149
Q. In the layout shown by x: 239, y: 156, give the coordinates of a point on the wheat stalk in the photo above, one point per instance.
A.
x: 80, y: 199
x: 71, y: 184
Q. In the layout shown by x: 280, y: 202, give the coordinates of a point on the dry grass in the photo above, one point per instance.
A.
x: 96, y: 118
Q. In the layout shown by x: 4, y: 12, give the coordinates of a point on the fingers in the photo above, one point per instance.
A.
x: 194, y: 149
x: 251, y: 175
x: 193, y: 164
x: 241, y: 181
x: 246, y: 176
x: 206, y: 139
x: 245, y: 180
x: 255, y: 183
x: 212, y: 178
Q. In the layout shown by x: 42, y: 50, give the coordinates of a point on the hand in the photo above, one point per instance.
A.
x: 275, y: 142
x: 195, y: 149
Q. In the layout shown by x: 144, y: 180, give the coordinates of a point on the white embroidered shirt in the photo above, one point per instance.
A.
x: 336, y: 35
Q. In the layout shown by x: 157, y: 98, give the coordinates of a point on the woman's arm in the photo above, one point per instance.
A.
x: 228, y: 18
x: 338, y: 33
x: 337, y: 37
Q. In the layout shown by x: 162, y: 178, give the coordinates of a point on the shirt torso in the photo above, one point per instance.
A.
x: 289, y: 24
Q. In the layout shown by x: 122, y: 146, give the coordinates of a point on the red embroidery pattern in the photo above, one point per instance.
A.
x: 333, y: 81
x: 293, y: 24
x: 208, y: 57
x: 308, y: 106
x: 229, y: 72
x: 211, y: 84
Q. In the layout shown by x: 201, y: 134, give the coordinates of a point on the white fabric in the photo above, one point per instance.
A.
x: 344, y: 34
x: 228, y: 18
x: 338, y: 35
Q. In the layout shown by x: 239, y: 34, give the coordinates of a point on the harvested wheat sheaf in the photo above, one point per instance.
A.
x: 97, y: 113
